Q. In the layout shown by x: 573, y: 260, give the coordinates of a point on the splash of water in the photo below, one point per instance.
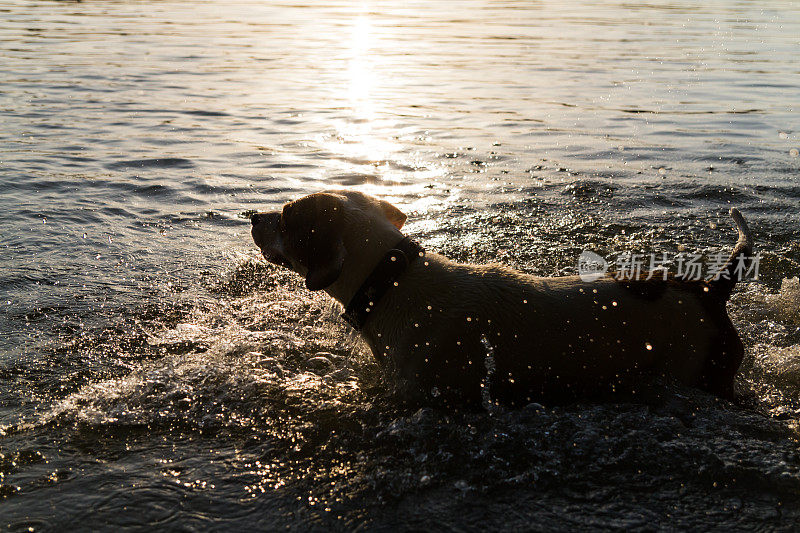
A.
x: 491, y: 366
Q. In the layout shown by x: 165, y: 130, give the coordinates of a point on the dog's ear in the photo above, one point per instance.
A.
x: 395, y: 216
x: 312, y: 234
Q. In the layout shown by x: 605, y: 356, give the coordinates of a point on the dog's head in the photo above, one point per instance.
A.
x: 322, y: 235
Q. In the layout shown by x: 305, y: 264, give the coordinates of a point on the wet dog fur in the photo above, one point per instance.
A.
x: 547, y: 337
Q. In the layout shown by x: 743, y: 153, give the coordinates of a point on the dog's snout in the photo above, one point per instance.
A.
x: 269, y: 219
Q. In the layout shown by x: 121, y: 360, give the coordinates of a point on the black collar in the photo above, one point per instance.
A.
x: 384, y: 277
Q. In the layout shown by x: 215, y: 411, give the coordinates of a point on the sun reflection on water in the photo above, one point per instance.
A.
x: 368, y: 140
x: 361, y: 74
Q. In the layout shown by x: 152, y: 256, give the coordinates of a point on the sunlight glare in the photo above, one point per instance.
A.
x: 362, y: 77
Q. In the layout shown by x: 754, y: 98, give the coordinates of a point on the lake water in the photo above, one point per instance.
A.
x: 155, y: 372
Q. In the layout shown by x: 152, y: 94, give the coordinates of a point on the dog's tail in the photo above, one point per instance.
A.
x: 739, y: 263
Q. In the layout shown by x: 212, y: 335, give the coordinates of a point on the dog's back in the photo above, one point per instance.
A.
x: 546, y: 337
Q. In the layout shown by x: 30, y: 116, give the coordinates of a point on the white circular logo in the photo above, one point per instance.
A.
x: 591, y: 266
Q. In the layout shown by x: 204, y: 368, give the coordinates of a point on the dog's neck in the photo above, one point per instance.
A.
x: 386, y: 276
x: 359, y: 263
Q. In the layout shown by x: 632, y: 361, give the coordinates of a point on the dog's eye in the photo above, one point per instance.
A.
x: 285, y: 216
x: 286, y: 226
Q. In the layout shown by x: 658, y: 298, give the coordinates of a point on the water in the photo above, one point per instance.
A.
x: 155, y: 372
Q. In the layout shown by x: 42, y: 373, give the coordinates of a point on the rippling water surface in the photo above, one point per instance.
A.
x: 155, y: 372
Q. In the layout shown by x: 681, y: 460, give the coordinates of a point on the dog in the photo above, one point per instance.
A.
x: 459, y: 331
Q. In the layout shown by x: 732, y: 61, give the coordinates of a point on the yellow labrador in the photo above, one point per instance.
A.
x: 457, y: 331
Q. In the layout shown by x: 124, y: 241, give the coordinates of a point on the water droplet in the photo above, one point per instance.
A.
x: 461, y: 485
